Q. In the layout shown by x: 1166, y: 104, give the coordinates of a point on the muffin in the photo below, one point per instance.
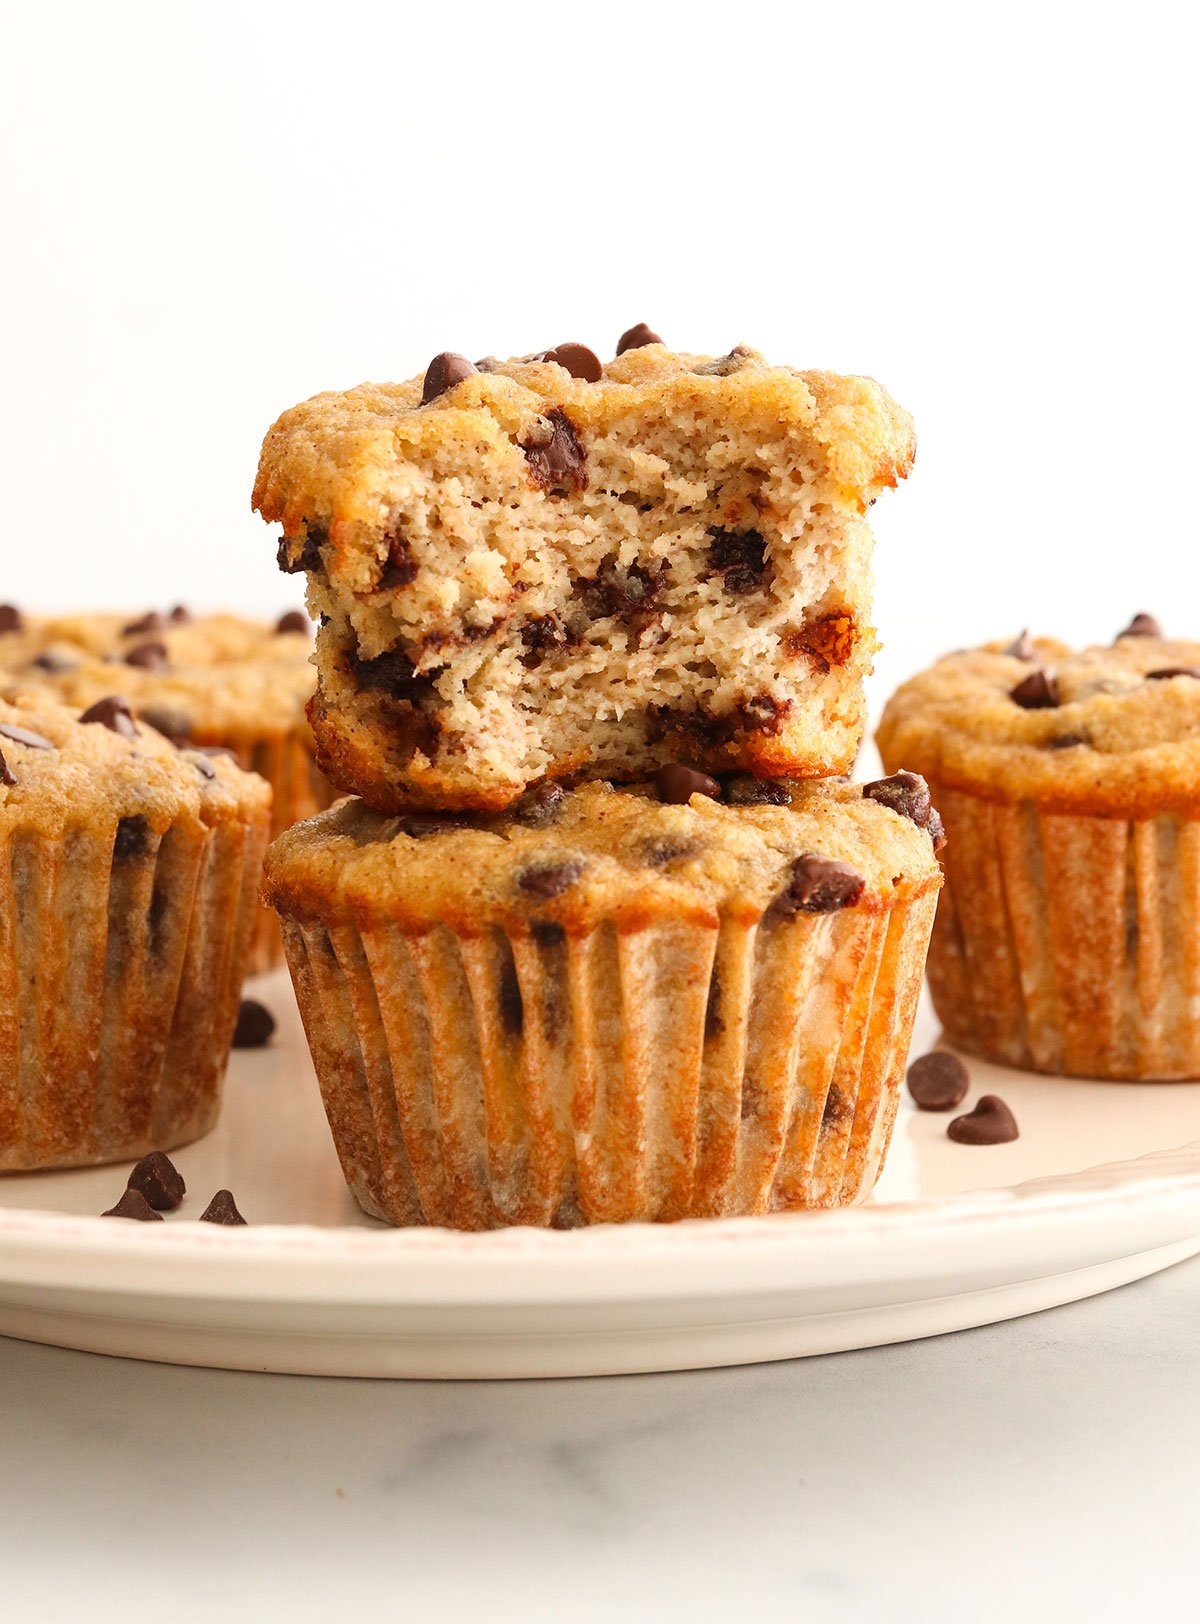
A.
x: 128, y: 873
x: 205, y: 680
x: 538, y: 568
x: 605, y: 1006
x: 1068, y: 935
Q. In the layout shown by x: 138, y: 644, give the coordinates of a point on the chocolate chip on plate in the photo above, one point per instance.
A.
x: 938, y: 1081
x: 152, y: 622
x: 550, y: 879
x: 22, y: 735
x: 149, y: 656
x: 113, y: 713
x: 636, y: 338
x: 1142, y: 626
x: 443, y: 372
x: 990, y: 1123
x: 133, y: 1204
x: 294, y: 621
x: 1037, y: 691
x: 255, y: 1025
x: 817, y: 885
x: 1173, y: 671
x: 222, y: 1209
x: 1021, y: 648
x: 746, y: 790
x: 676, y: 784
x: 158, y: 1179
x: 578, y: 360
x: 6, y: 772
x: 11, y: 618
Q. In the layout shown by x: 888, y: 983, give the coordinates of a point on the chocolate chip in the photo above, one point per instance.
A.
x: 158, y: 1179
x: 555, y: 456
x: 255, y: 1025
x: 745, y: 790
x: 658, y: 853
x: 173, y: 725
x: 550, y: 879
x: 11, y: 618
x: 22, y: 735
x: 308, y: 556
x: 636, y: 338
x: 55, y: 663
x: 392, y: 672
x: 6, y: 772
x: 489, y: 363
x: 294, y: 621
x: 512, y: 1006
x: 908, y: 794
x: 739, y: 555
x: 1022, y: 648
x: 676, y: 784
x: 133, y: 1204
x: 153, y: 622
x: 623, y: 594
x: 399, y: 568
x: 938, y: 1081
x: 990, y: 1123
x: 151, y: 656
x: 1037, y: 691
x: 539, y: 805
x: 1065, y: 741
x: 817, y: 885
x: 420, y: 825
x: 202, y: 765
x: 540, y: 635
x: 181, y: 615
x: 1173, y: 671
x: 1142, y: 626
x: 443, y: 372
x: 114, y: 714
x: 222, y: 1209
x: 578, y: 360
x: 132, y: 838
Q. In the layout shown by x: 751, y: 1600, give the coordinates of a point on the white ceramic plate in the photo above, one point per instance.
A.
x: 1102, y: 1187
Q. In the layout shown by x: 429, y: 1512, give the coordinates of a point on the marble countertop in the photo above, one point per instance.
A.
x: 1043, y: 1469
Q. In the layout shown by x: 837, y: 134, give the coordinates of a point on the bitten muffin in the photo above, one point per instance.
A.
x: 1068, y: 935
x: 601, y: 1007
x: 534, y: 568
x: 205, y: 680
x: 128, y: 873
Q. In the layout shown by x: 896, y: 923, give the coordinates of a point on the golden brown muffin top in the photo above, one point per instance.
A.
x: 1112, y: 730
x: 58, y: 771
x: 337, y: 459
x: 572, y: 859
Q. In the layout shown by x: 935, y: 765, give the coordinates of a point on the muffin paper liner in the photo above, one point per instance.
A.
x: 675, y: 1071
x: 119, y: 985
x: 1069, y: 944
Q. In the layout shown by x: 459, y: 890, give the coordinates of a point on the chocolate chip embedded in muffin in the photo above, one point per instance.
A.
x: 817, y: 885
x: 443, y: 372
x: 7, y: 775
x: 152, y: 622
x: 133, y: 1204
x: 149, y: 656
x: 658, y: 853
x: 740, y: 556
x: 830, y: 640
x: 399, y: 568
x: 938, y: 1081
x: 1021, y: 648
x: 1037, y: 691
x: 1064, y: 741
x: 549, y: 879
x: 636, y: 338
x: 540, y: 634
x: 1141, y: 626
x: 676, y: 784
x: 990, y: 1123
x: 538, y: 806
x: 113, y: 713
x: 745, y: 790
x: 172, y: 724
x: 51, y: 661
x: 557, y: 460
x: 132, y: 838
x: 255, y: 1025
x: 623, y: 594
x: 22, y: 735
x: 222, y: 1209
x: 159, y: 1181
x: 11, y: 618
x: 181, y: 615
x: 294, y: 621
x: 1168, y: 671
x: 298, y: 555
x: 908, y: 794
x: 578, y: 360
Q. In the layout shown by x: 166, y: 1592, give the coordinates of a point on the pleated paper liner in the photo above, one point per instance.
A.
x: 121, y: 962
x: 670, y: 1072
x: 1069, y: 944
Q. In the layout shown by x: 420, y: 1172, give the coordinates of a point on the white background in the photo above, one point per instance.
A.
x: 211, y: 211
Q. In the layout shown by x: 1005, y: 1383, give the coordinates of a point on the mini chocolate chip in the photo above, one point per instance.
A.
x: 550, y: 879
x: 158, y: 1179
x: 990, y: 1123
x: 132, y: 838
x: 938, y: 1081
x: 1022, y: 648
x: 1037, y: 691
x: 636, y: 338
x: 1173, y: 671
x: 173, y: 725
x: 1142, y: 626
x: 6, y: 772
x: 745, y: 790
x: 1064, y: 741
x: 676, y: 784
x: 114, y: 714
x: 11, y: 618
x: 181, y: 615
x: 556, y: 458
x: 22, y: 735
x: 222, y: 1209
x: 294, y: 621
x: 55, y: 663
x: 151, y: 656
x: 152, y: 622
x: 133, y: 1204
x: 578, y: 360
x: 539, y: 805
x: 443, y: 372
x: 255, y: 1025
x: 817, y: 885
x: 512, y: 1006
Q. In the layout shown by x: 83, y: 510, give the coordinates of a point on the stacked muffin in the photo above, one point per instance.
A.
x: 603, y: 935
